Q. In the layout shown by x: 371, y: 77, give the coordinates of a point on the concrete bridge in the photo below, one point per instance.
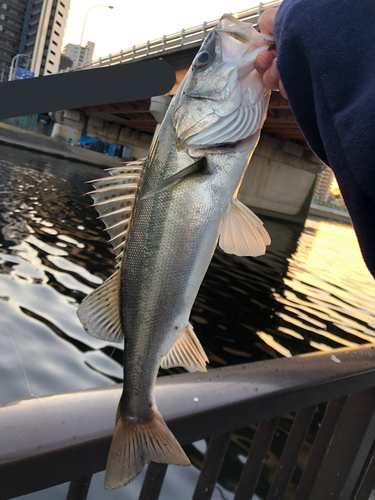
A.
x: 281, y: 178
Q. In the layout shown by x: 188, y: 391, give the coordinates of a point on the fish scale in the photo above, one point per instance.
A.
x: 168, y: 222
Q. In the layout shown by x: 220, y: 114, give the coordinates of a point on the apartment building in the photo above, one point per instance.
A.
x: 323, y: 184
x: 79, y: 55
x: 12, y: 13
x: 35, y: 29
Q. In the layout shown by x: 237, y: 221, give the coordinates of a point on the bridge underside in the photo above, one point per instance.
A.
x: 136, y: 115
x: 280, y: 181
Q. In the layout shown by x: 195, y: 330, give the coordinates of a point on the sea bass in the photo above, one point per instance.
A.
x: 165, y: 215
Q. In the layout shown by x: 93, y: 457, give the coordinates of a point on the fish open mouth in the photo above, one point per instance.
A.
x: 223, y: 101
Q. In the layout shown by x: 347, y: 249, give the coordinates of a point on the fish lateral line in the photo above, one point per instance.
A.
x: 200, y: 166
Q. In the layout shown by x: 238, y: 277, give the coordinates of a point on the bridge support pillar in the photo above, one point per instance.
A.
x: 69, y: 124
x: 280, y: 180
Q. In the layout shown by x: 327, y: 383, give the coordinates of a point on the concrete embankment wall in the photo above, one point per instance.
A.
x: 73, y: 124
x: 280, y: 180
x: 330, y: 214
x: 13, y: 136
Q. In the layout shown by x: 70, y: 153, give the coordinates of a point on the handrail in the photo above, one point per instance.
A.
x: 68, y: 435
x: 191, y: 37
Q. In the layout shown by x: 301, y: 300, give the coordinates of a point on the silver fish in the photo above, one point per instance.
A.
x: 165, y: 215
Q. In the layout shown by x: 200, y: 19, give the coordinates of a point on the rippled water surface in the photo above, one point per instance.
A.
x: 310, y: 292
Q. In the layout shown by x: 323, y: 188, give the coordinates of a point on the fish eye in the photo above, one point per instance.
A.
x: 203, y: 58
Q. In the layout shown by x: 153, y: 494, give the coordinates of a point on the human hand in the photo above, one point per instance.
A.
x: 265, y: 61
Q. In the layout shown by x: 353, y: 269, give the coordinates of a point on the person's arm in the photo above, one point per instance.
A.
x: 326, y: 62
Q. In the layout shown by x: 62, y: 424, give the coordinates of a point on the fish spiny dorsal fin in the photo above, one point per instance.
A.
x: 114, y: 198
x: 187, y: 351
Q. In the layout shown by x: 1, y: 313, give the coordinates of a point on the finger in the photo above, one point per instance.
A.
x: 271, y: 77
x: 266, y: 21
x: 264, y: 60
x: 282, y: 91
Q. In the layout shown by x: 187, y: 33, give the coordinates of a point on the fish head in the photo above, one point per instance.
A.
x: 222, y: 99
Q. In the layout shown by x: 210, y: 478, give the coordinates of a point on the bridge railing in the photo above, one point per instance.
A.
x: 330, y: 439
x: 169, y: 43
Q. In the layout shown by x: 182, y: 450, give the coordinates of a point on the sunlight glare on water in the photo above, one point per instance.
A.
x: 310, y: 292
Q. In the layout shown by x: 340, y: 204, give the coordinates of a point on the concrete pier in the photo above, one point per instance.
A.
x: 280, y: 180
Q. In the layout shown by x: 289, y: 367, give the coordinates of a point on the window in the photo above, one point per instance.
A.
x: 56, y: 33
x: 59, y: 13
x: 49, y: 60
x: 54, y: 43
x: 58, y: 24
x: 52, y: 52
x: 48, y: 71
x: 62, y: 4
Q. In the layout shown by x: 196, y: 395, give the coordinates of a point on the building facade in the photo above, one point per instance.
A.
x: 43, y: 33
x: 323, y: 184
x: 35, y: 29
x: 12, y: 14
x: 65, y: 62
x: 79, y: 55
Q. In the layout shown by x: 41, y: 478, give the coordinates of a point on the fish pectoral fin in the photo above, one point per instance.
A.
x: 187, y: 351
x: 135, y: 444
x: 242, y: 232
x: 99, y: 312
x: 198, y: 166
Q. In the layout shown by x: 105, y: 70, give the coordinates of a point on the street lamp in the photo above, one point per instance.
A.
x: 84, y: 22
x: 12, y: 65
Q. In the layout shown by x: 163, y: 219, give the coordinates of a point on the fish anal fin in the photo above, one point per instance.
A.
x: 99, y: 312
x: 242, y: 232
x: 187, y: 351
x: 136, y: 444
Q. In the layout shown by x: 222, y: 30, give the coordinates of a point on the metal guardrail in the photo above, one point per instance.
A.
x: 186, y: 38
x: 51, y: 440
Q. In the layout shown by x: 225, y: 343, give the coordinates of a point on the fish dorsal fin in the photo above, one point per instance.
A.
x: 187, y: 351
x: 242, y: 232
x: 114, y: 198
x: 99, y: 312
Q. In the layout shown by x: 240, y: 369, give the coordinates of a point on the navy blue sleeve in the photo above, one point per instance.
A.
x: 326, y: 61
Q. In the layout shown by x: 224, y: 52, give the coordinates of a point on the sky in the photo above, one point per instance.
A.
x: 134, y: 22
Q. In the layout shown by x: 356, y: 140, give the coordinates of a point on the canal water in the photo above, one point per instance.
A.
x: 310, y: 292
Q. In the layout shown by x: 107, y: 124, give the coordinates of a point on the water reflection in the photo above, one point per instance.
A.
x: 310, y: 292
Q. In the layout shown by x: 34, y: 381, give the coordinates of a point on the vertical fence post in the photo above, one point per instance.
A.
x: 79, y: 488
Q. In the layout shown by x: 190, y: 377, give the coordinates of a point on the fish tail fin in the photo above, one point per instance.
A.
x: 137, y: 444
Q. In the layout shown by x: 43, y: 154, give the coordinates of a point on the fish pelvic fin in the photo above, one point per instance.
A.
x: 136, y: 444
x: 186, y: 351
x: 242, y: 232
x: 99, y: 312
